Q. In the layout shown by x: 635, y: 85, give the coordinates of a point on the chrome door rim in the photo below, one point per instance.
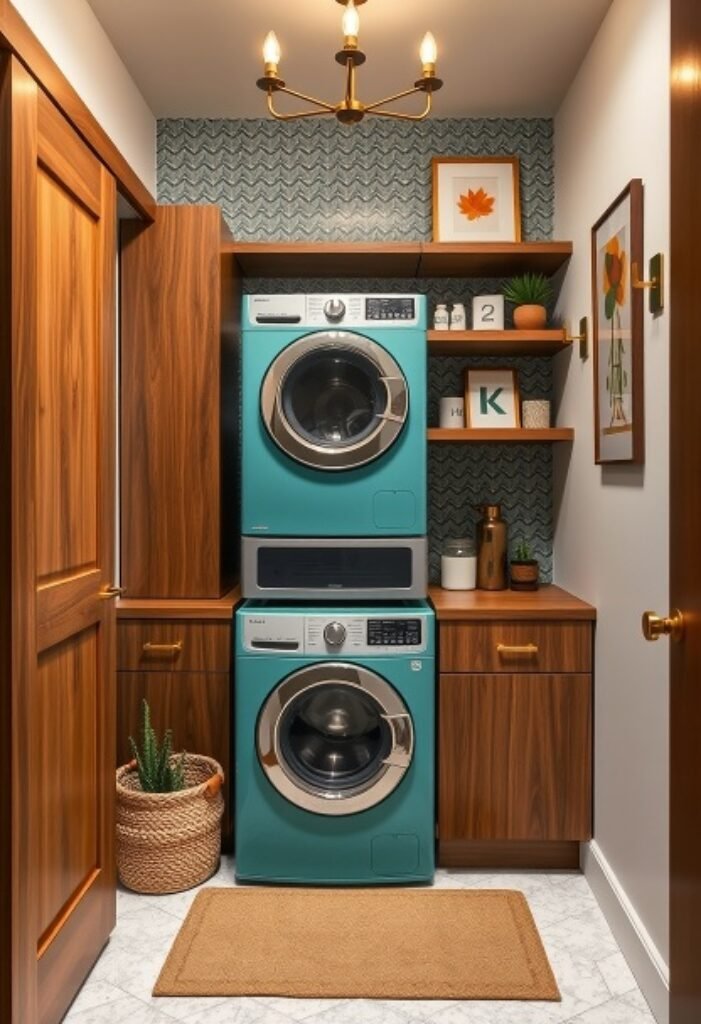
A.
x: 334, y: 802
x: 389, y: 423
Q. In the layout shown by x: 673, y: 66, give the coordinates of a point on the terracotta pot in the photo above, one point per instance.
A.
x: 524, y: 575
x: 530, y: 318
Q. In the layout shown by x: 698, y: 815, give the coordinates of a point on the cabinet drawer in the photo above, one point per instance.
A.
x: 515, y: 646
x: 173, y: 645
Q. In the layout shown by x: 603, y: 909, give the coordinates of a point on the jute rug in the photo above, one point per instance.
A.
x: 365, y: 943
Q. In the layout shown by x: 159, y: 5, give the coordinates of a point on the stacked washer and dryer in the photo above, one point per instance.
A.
x: 334, y: 652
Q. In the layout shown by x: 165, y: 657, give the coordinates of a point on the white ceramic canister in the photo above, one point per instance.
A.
x: 459, y: 564
x: 452, y: 412
x: 457, y: 317
x: 441, y: 319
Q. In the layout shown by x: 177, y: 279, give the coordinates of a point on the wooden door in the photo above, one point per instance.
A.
x: 59, y: 344
x: 685, y: 498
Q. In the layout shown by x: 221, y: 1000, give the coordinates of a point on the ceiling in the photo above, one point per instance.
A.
x: 200, y: 58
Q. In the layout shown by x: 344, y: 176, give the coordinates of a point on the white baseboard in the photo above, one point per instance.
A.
x: 644, y: 959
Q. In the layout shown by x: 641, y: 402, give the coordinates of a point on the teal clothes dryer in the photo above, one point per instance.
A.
x: 335, y: 748
x: 334, y: 446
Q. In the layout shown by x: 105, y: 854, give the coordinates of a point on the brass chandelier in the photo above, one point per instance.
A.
x: 350, y: 110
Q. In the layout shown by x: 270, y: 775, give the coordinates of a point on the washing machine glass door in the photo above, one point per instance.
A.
x: 335, y: 738
x: 334, y: 400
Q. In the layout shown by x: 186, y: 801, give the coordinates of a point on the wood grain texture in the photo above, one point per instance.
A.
x: 206, y: 646
x: 195, y: 705
x: 497, y: 343
x: 61, y: 678
x: 474, y: 647
x: 492, y: 259
x: 171, y: 451
x: 67, y: 367
x: 398, y: 259
x: 216, y: 609
x: 81, y: 175
x: 685, y: 499
x: 548, y: 602
x: 515, y: 757
x: 16, y: 36
x: 488, y: 853
x: 327, y: 259
x: 500, y: 435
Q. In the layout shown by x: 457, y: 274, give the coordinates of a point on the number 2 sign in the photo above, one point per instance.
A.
x: 488, y: 313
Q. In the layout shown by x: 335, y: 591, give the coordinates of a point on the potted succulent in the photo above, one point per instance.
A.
x: 524, y: 569
x: 530, y: 294
x: 169, y: 810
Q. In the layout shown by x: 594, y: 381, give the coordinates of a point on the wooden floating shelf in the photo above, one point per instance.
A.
x: 497, y: 343
x: 397, y: 259
x: 508, y: 435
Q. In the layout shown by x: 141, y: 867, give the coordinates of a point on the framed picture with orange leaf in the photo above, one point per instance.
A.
x: 476, y: 199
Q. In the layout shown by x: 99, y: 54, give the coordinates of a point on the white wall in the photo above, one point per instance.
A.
x: 611, y: 539
x: 77, y: 42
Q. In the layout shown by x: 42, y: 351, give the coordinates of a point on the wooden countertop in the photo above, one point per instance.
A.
x: 221, y: 608
x: 549, y: 602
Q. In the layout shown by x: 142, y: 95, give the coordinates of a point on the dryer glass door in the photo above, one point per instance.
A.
x: 334, y: 400
x: 335, y: 738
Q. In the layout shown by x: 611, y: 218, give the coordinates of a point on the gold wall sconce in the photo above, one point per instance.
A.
x: 582, y: 337
x: 655, y: 282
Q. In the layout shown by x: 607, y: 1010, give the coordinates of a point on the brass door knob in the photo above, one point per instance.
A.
x: 655, y: 626
x: 111, y: 591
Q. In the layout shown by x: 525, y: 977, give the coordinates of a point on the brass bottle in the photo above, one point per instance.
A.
x: 491, y: 549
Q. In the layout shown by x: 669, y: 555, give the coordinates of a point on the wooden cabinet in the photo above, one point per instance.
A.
x: 182, y: 668
x: 515, y: 730
x: 180, y: 302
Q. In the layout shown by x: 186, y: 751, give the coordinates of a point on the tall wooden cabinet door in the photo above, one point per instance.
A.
x: 63, y: 337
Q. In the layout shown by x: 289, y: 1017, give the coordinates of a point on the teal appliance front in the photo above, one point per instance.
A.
x: 334, y: 419
x: 335, y: 713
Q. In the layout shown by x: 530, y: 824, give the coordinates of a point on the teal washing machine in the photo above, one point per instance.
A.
x: 335, y: 719
x: 333, y: 457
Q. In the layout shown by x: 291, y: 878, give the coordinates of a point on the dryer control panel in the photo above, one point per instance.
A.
x: 337, y: 635
x: 335, y: 310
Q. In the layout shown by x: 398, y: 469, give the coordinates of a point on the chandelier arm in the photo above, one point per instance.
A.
x: 307, y: 99
x: 371, y: 107
x: 294, y: 116
x: 404, y: 117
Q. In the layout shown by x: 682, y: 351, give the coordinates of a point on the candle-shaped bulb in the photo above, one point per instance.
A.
x: 351, y: 20
x: 428, y: 51
x: 271, y: 49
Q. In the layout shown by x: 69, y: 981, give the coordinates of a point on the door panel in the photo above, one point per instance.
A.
x: 67, y: 383
x: 61, y: 347
x: 68, y: 839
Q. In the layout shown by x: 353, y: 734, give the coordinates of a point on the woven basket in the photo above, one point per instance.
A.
x: 167, y: 842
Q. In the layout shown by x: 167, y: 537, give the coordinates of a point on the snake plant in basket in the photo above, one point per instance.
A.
x: 169, y: 810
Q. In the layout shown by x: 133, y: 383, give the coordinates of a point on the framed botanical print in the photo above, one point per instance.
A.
x: 616, y: 252
x: 491, y: 398
x: 476, y: 199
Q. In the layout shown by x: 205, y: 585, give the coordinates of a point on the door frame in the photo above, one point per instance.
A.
x: 685, y: 503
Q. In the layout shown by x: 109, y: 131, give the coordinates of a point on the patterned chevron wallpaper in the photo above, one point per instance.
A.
x: 319, y: 180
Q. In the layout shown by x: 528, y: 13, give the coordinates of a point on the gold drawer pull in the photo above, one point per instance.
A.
x: 530, y: 650
x: 173, y: 649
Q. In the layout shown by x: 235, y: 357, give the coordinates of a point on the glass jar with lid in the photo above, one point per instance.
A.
x: 458, y: 564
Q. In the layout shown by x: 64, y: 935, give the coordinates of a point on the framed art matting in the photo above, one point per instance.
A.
x: 491, y: 398
x: 616, y: 254
x: 476, y: 199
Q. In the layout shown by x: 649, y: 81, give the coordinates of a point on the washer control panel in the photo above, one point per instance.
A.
x: 334, y: 310
x: 341, y: 634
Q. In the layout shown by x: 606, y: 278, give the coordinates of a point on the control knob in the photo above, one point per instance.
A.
x: 334, y: 310
x: 334, y: 634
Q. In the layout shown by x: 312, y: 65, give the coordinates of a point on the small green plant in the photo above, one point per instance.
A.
x: 523, y: 552
x: 159, y: 770
x: 529, y: 290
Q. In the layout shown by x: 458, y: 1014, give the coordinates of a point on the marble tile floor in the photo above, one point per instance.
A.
x: 596, y: 984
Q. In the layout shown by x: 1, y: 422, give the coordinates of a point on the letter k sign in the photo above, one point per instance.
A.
x: 486, y: 400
